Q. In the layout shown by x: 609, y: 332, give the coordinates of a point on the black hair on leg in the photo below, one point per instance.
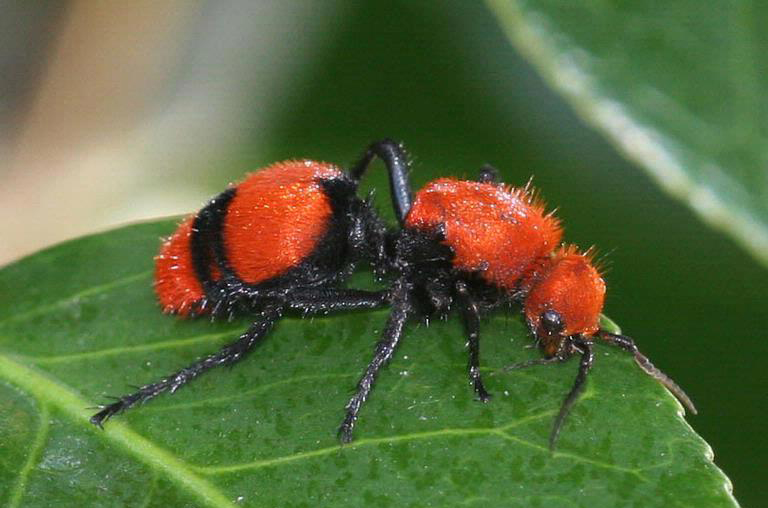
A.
x: 394, y: 157
x: 587, y: 358
x: 472, y: 328
x: 385, y: 348
x: 228, y: 355
x: 316, y: 300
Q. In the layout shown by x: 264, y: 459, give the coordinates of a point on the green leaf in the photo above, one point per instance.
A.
x: 79, y: 321
x: 678, y: 87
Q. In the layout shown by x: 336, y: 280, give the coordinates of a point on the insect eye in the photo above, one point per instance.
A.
x: 552, y: 322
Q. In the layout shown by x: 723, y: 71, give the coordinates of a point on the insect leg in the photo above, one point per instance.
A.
x: 587, y: 358
x: 228, y: 355
x: 321, y: 300
x: 472, y: 328
x: 385, y: 348
x: 394, y: 157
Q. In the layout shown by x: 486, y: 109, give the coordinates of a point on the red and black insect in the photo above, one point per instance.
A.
x: 285, y: 238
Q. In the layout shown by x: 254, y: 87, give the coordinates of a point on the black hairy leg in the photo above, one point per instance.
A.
x: 585, y: 365
x: 569, y: 346
x: 227, y: 355
x: 385, y: 348
x: 396, y: 160
x: 307, y: 300
x: 324, y: 300
x: 471, y: 317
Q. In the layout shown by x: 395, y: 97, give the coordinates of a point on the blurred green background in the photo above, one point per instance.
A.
x: 443, y: 78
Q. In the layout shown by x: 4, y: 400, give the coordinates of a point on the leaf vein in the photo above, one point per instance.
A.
x: 138, y: 348
x: 245, y: 394
x: 48, y: 390
x: 447, y: 432
x: 34, y: 455
x: 85, y: 293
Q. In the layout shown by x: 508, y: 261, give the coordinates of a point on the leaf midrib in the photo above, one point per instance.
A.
x: 48, y: 391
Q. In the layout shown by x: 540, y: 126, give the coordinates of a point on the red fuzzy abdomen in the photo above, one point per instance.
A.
x: 274, y: 221
x: 498, y: 231
x: 276, y: 218
x: 176, y: 284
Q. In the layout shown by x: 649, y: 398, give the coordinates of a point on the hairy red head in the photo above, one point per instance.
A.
x: 565, y: 298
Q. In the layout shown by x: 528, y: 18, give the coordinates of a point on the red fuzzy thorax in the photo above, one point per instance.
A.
x: 498, y: 231
x: 274, y: 221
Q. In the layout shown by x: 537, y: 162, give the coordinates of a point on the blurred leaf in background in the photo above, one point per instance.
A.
x: 444, y: 78
x: 677, y: 89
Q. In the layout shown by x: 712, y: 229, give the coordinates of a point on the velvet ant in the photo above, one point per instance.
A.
x: 286, y: 237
